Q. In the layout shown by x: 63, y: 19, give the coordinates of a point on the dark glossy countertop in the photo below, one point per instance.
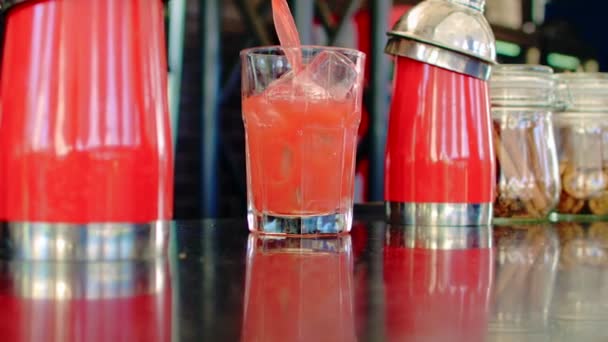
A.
x: 521, y: 283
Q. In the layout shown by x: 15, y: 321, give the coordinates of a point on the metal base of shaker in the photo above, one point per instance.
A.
x: 440, y: 214
x: 42, y: 241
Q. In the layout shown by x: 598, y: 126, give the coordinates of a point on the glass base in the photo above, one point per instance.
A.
x: 43, y: 241
x: 309, y: 225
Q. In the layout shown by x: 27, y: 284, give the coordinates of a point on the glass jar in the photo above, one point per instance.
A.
x: 581, y: 131
x: 523, y: 98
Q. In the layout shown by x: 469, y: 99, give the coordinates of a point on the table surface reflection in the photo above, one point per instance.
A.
x: 546, y: 282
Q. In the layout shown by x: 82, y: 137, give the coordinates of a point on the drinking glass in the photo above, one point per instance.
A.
x: 301, y: 134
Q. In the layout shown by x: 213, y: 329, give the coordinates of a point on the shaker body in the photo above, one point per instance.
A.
x: 86, y: 134
x: 439, y: 147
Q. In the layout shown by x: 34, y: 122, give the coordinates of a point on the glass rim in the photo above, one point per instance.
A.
x: 577, y: 119
x: 259, y: 50
x: 531, y: 69
x: 523, y: 109
x: 583, y: 76
x: 584, y: 114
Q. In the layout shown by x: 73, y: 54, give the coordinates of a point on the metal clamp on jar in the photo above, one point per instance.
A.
x: 440, y: 166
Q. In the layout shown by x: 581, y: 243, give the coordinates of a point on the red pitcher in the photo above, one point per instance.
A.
x: 85, y: 127
x: 440, y: 160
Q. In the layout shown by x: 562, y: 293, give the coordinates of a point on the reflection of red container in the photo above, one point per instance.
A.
x: 86, y: 302
x: 436, y: 294
x: 299, y: 290
x: 85, y: 125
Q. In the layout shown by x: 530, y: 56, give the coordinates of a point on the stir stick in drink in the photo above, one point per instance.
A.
x: 288, y: 32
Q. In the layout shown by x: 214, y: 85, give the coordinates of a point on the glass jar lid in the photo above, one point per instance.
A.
x: 521, y: 85
x: 583, y: 92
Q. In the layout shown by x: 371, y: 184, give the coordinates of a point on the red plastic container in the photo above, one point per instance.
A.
x: 85, y: 123
x: 439, y: 140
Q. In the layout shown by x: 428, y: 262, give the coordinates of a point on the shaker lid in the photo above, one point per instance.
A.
x: 455, y: 28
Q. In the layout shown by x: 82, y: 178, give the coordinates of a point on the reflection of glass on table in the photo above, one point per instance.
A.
x: 299, y: 290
